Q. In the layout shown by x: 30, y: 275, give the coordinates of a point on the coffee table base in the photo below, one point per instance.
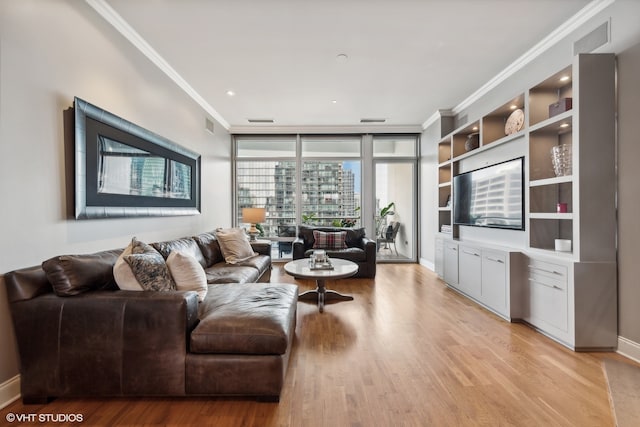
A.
x: 322, y: 294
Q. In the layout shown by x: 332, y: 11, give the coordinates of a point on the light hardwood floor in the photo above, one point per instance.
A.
x: 406, y: 352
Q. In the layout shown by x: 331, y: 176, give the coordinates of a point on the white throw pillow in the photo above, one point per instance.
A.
x: 187, y: 273
x: 234, y: 245
x: 123, y: 274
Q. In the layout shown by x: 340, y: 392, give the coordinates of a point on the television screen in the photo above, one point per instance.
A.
x: 491, y: 197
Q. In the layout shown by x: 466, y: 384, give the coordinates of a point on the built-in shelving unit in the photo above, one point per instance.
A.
x: 574, y: 108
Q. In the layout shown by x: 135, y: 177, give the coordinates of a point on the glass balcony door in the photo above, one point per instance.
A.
x: 395, y: 211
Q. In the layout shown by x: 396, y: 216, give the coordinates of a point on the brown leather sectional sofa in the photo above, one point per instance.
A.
x: 103, y: 341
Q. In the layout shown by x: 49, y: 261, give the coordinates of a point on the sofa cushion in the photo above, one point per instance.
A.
x: 185, y: 245
x: 210, y: 248
x: 350, y: 254
x: 73, y: 274
x: 354, y: 237
x: 251, y: 318
x: 329, y: 240
x: 259, y: 262
x: 234, y: 245
x: 229, y: 273
x: 187, y: 272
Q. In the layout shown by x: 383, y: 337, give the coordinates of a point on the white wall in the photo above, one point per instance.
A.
x: 51, y: 51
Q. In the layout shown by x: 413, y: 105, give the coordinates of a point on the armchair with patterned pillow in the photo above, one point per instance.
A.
x: 339, y: 242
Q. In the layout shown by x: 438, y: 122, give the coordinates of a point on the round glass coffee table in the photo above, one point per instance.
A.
x: 300, y: 268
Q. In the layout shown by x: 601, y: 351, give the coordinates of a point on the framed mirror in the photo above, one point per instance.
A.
x: 123, y: 170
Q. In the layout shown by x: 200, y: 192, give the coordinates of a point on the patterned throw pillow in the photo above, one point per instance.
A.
x: 329, y: 240
x: 151, y: 271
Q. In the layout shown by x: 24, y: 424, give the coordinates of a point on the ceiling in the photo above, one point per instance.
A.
x: 405, y: 58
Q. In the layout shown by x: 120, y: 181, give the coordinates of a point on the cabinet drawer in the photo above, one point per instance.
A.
x: 553, y: 275
x: 548, y: 297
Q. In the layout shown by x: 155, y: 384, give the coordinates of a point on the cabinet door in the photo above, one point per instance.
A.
x: 451, y: 263
x: 494, y: 281
x: 470, y: 268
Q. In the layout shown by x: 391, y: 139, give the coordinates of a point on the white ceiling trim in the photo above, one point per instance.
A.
x: 113, y: 18
x: 586, y: 13
x: 328, y: 129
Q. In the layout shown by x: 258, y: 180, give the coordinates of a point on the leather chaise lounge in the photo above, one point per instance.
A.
x: 99, y: 340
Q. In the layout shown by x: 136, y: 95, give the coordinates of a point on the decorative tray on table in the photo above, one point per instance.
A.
x: 321, y: 266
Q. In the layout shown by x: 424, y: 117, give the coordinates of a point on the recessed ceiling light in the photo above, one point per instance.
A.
x: 474, y: 128
x: 513, y: 107
x: 334, y: 101
x: 564, y: 78
x: 230, y: 93
x: 342, y: 57
x: 564, y: 125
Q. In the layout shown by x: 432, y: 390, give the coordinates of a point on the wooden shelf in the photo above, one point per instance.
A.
x: 494, y: 144
x: 554, y: 124
x: 551, y: 181
x: 551, y: 215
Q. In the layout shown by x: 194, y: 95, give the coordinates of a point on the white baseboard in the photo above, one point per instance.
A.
x: 428, y: 264
x: 628, y: 348
x: 9, y: 391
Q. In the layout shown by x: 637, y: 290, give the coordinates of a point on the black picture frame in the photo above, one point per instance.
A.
x: 176, y: 192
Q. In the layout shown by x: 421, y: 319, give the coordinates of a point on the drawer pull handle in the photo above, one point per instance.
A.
x: 546, y: 271
x: 471, y: 253
x: 546, y: 284
x: 495, y: 260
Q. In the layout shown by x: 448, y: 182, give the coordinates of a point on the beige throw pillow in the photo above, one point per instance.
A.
x: 187, y: 273
x: 123, y: 274
x: 234, y: 245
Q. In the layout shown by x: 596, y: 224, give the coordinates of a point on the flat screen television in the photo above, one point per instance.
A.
x: 491, y: 197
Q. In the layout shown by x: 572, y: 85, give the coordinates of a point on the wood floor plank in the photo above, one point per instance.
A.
x: 407, y: 351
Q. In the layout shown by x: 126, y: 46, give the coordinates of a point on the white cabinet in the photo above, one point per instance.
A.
x: 494, y: 290
x: 573, y: 302
x: 470, y: 271
x: 451, y: 263
x: 490, y: 276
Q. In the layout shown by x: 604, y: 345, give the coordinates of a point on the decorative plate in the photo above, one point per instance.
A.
x: 515, y: 122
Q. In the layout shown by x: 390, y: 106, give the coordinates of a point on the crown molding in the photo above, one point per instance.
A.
x: 123, y: 27
x: 325, y: 129
x: 436, y: 116
x: 572, y: 24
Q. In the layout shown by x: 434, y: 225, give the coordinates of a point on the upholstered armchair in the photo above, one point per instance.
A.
x: 344, y: 243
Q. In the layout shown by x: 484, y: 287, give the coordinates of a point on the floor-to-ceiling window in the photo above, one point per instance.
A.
x: 318, y: 180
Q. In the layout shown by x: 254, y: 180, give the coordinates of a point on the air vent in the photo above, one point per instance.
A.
x: 595, y: 39
x: 373, y: 120
x: 208, y: 124
x: 260, y: 120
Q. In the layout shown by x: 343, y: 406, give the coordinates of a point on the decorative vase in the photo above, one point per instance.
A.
x: 561, y: 159
x: 472, y: 142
